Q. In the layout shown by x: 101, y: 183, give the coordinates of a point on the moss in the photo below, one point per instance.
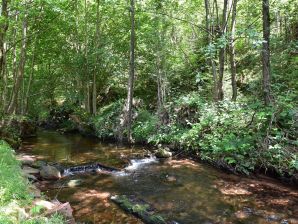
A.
x: 139, y: 209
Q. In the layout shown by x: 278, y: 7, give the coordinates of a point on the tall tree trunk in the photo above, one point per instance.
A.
x: 160, y: 63
x: 97, y: 35
x: 266, y: 53
x: 12, y: 108
x: 131, y: 70
x: 3, y: 30
x: 232, y: 51
x: 209, y: 40
x: 222, y: 52
x: 26, y: 98
x: 87, y: 85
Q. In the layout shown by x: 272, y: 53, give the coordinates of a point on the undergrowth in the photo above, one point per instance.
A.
x: 15, y: 197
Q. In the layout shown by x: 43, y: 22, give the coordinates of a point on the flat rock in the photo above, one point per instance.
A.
x: 30, y: 170
x: 26, y: 159
x: 46, y: 204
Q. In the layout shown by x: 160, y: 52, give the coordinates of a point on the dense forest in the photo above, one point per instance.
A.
x: 213, y: 79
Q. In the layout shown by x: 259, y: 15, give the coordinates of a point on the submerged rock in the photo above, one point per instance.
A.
x: 74, y: 183
x: 163, y: 153
x: 139, y: 209
x: 50, y: 173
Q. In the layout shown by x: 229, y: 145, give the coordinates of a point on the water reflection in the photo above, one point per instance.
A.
x: 180, y: 190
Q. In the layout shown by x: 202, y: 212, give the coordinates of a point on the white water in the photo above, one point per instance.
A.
x: 137, y: 163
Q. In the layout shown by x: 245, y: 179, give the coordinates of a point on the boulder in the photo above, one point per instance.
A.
x: 50, y: 173
x: 163, y: 153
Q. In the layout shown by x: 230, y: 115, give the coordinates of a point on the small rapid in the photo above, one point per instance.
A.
x: 138, y: 163
x: 134, y: 164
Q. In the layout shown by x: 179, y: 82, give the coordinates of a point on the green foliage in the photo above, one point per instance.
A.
x: 107, y: 120
x: 231, y: 133
x: 12, y: 184
x: 14, y: 192
x: 144, y: 126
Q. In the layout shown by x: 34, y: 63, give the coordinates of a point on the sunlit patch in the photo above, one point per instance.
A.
x: 241, y: 215
x: 182, y: 163
x: 233, y: 190
x: 280, y: 201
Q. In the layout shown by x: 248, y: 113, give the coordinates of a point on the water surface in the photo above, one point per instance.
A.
x: 180, y: 190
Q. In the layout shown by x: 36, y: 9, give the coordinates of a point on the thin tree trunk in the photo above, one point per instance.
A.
x: 26, y: 103
x: 94, y: 91
x: 222, y: 53
x: 232, y: 51
x: 3, y: 30
x: 266, y: 53
x: 209, y: 39
x: 161, y: 89
x: 20, y: 71
x: 5, y: 79
x: 87, y: 86
x: 131, y: 71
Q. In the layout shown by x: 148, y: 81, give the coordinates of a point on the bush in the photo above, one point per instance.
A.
x: 243, y: 136
x: 107, y: 120
x: 144, y: 126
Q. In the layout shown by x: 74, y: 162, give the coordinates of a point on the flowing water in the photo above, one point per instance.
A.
x: 180, y: 190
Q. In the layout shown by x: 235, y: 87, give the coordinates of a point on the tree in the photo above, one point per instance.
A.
x: 13, y: 105
x: 222, y: 51
x: 266, y: 53
x: 131, y: 70
x: 232, y: 50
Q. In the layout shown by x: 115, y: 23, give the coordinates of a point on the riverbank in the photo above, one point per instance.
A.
x: 18, y: 195
x: 235, y: 137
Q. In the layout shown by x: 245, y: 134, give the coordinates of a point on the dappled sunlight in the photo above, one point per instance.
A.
x: 182, y: 163
x: 183, y: 189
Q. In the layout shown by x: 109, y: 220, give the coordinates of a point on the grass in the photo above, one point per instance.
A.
x: 14, y: 193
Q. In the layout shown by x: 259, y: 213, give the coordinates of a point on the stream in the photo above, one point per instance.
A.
x: 179, y: 189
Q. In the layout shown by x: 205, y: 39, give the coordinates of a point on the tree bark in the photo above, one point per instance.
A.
x: 3, y: 30
x: 97, y: 34
x: 209, y: 40
x: 222, y: 53
x: 20, y: 71
x: 131, y: 70
x: 26, y: 99
x: 232, y: 51
x: 266, y: 53
x: 87, y: 89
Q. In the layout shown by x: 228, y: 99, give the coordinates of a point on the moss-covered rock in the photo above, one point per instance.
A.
x: 139, y: 209
x: 163, y: 153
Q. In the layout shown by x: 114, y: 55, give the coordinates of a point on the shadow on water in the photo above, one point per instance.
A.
x: 180, y: 190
